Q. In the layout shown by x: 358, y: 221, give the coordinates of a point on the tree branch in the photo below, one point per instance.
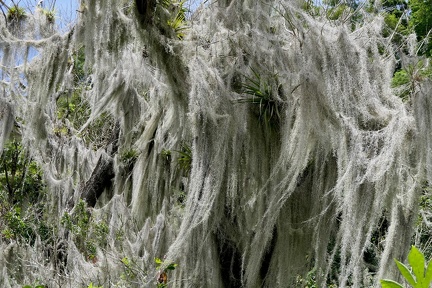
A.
x: 103, y: 173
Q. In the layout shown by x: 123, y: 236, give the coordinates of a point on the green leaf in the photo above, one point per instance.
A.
x: 125, y: 261
x: 158, y: 261
x: 428, y: 276
x: 406, y: 273
x: 172, y: 266
x: 390, y: 284
x: 417, y: 262
x: 27, y: 286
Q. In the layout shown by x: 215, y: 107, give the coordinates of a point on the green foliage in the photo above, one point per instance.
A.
x: 177, y: 21
x: 404, y: 17
x: 129, y: 272
x: 163, y: 270
x: 421, y: 22
x: 160, y: 263
x: 119, y: 236
x: 101, y: 231
x: 20, y: 176
x: 396, y: 27
x: 335, y: 13
x: 132, y: 272
x: 390, y: 284
x: 73, y: 107
x: 343, y: 11
x: 128, y: 155
x: 310, y: 281
x: 307, y: 282
x: 420, y: 275
x: 128, y: 158
x: 35, y: 286
x: 258, y: 92
x: 78, y: 222
x: 22, y: 191
x: 409, y: 78
x: 184, y: 160
x: 400, y: 78
x: 423, y: 229
x: 93, y: 286
x: 77, y: 62
x: 310, y: 7
x: 87, y: 234
x: 181, y: 196
x: 166, y: 156
x: 17, y: 226
x: 396, y: 20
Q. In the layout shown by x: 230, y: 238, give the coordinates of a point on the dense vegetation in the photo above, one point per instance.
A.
x: 116, y: 163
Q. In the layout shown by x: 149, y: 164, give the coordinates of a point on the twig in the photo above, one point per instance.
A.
x: 4, y: 4
x: 423, y: 41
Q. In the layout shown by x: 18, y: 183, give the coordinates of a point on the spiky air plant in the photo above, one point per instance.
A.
x: 259, y: 93
x: 16, y: 14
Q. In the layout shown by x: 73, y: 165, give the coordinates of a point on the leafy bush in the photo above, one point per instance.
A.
x: 20, y: 176
x: 87, y: 234
x: 400, y: 78
x: 22, y: 191
x: 17, y: 227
